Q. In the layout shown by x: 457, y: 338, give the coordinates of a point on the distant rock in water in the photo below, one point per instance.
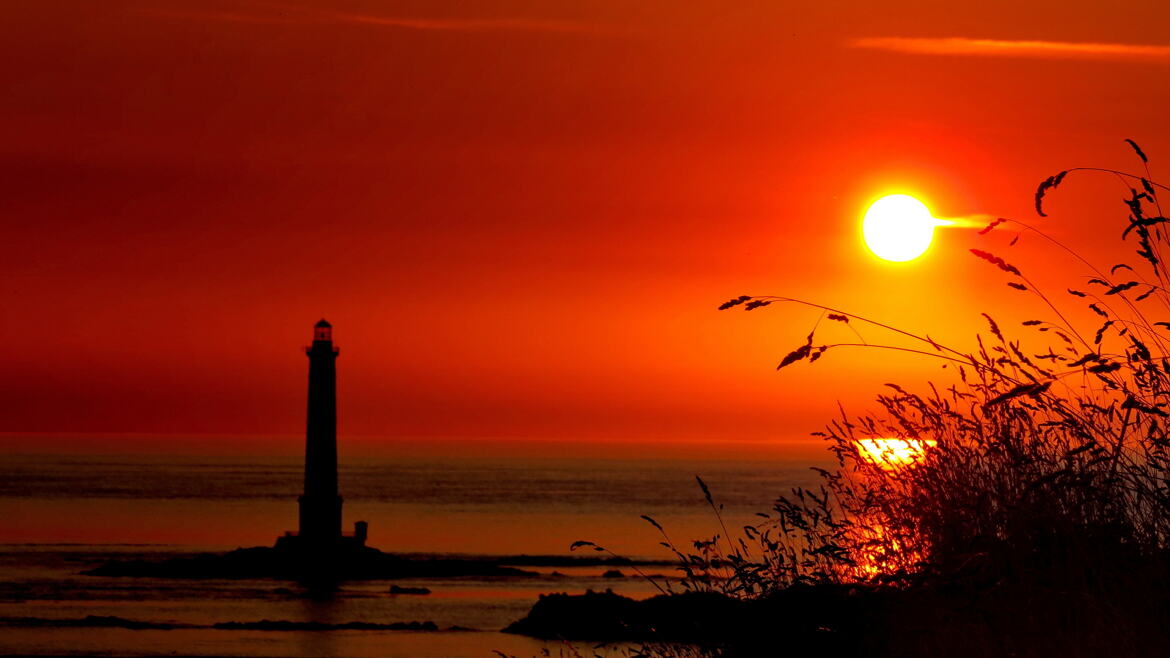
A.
x: 337, y: 564
x: 396, y: 589
x: 613, y: 573
x: 92, y: 621
x: 580, y: 561
x: 362, y: 563
x: 266, y: 625
x: 95, y: 621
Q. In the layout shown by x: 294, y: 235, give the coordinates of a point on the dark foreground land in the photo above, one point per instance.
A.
x: 1039, y: 612
x: 838, y: 620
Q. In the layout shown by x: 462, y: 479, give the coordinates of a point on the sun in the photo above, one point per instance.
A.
x: 899, y: 227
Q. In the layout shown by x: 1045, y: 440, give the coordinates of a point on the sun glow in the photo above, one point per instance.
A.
x: 899, y: 227
x: 891, y: 454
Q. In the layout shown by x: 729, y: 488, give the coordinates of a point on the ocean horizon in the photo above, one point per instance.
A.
x: 63, y: 514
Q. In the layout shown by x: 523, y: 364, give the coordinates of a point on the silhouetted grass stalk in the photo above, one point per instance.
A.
x: 1027, y: 472
x: 1033, y: 489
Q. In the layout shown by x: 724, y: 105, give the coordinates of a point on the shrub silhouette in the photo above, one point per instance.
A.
x: 1023, y: 508
x: 1039, y: 498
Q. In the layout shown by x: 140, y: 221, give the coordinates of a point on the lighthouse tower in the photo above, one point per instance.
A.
x: 320, y: 504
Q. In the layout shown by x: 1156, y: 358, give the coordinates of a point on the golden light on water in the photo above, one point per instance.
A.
x: 877, y: 550
x: 899, y: 227
x: 892, y: 454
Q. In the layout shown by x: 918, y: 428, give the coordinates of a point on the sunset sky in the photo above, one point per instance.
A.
x: 521, y: 216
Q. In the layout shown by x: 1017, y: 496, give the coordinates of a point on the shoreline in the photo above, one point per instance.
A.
x: 340, y: 565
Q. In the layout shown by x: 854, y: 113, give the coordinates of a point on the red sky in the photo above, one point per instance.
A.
x: 520, y: 216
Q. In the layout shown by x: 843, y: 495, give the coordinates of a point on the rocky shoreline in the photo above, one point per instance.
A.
x: 363, y: 563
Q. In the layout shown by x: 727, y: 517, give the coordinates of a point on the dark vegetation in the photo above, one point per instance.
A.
x: 1035, y: 522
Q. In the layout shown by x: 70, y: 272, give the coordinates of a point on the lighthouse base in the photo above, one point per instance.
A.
x: 324, y: 544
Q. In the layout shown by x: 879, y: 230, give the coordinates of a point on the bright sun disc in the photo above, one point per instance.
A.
x: 898, y: 227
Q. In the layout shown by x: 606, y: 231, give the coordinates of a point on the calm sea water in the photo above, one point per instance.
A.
x: 61, y: 515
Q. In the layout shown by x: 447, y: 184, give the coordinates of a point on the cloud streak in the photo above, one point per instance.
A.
x: 961, y: 46
x: 467, y: 24
x: 305, y: 17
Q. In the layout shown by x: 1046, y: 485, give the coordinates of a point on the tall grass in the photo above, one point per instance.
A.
x: 1028, y: 510
x: 1045, y: 485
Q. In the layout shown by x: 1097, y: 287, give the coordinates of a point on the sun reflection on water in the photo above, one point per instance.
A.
x: 892, y: 454
x: 879, y: 550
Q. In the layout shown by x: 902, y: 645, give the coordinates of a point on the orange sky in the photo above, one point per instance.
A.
x: 520, y: 216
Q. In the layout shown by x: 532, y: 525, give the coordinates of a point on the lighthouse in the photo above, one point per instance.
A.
x: 320, y: 503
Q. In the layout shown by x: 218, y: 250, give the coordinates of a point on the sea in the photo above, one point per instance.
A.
x: 61, y: 515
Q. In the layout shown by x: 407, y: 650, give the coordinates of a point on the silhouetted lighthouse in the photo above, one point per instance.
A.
x: 320, y: 504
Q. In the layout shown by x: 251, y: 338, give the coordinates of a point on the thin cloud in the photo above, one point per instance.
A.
x: 300, y: 16
x: 960, y: 46
x: 469, y: 24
